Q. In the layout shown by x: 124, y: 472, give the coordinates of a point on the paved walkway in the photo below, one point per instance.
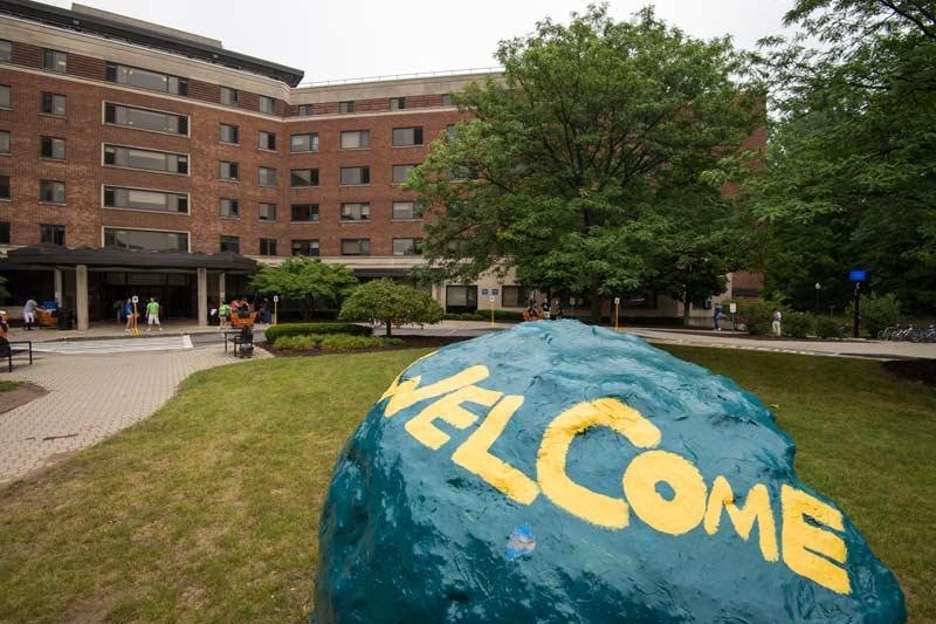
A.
x: 101, y: 381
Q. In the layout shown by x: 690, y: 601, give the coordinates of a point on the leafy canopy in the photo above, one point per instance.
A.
x: 388, y: 302
x: 306, y: 280
x: 583, y: 167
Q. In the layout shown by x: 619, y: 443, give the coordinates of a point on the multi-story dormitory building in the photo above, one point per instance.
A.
x: 139, y: 159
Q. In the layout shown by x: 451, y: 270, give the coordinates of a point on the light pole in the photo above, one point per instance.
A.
x: 818, y: 288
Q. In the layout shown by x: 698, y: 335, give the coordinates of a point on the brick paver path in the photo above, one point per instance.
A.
x: 91, y: 397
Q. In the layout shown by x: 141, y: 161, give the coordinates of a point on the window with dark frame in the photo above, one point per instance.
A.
x: 228, y: 96
x: 407, y: 246
x: 299, y: 178
x: 52, y: 234
x: 230, y: 244
x: 267, y: 141
x: 145, y: 199
x: 403, y: 137
x: 355, y: 176
x: 304, y: 213
x: 306, y: 110
x: 6, y: 51
x: 304, y: 247
x: 267, y: 105
x: 51, y: 147
x: 4, y: 232
x: 4, y: 187
x: 397, y: 103
x: 346, y: 107
x: 5, y: 142
x: 229, y: 134
x: 515, y: 296
x: 228, y: 171
x: 148, y: 160
x: 146, y: 239
x: 355, y: 246
x: 267, y: 176
x: 401, y: 172
x: 146, y: 79
x: 145, y: 119
x: 53, y: 60
x: 304, y: 142
x: 355, y: 139
x: 54, y: 104
x: 267, y: 246
x: 266, y: 212
x: 355, y: 211
x: 6, y: 96
x: 447, y: 99
x: 405, y: 211
x: 228, y: 208
x: 51, y: 192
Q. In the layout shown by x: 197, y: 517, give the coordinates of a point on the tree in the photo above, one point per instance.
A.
x: 306, y: 280
x: 390, y: 303
x: 851, y: 175
x: 599, y: 134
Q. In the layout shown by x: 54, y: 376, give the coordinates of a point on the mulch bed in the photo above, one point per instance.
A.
x: 917, y: 370
x: 409, y: 342
x: 20, y: 396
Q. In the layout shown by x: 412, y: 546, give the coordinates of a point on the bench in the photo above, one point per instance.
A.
x: 17, y: 347
x: 238, y: 322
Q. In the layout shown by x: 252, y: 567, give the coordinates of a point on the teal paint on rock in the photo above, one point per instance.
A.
x: 408, y: 535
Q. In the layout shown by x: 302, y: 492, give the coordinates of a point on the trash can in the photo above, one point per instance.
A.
x: 64, y: 318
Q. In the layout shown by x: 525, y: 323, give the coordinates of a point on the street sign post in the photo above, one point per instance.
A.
x: 617, y: 307
x: 857, y: 276
x: 275, y: 305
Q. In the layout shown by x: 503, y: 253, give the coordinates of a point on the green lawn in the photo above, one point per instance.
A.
x: 208, y: 510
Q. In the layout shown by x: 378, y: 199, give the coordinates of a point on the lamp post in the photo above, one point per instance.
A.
x: 818, y: 288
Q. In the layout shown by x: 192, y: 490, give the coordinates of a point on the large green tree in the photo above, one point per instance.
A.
x: 851, y: 175
x: 390, y: 303
x: 307, y: 280
x: 584, y: 166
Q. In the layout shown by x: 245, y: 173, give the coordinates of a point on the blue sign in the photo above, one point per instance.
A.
x: 858, y: 276
x: 494, y: 291
x: 484, y: 291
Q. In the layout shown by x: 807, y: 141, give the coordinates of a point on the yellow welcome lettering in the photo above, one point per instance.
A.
x: 678, y: 515
x: 803, y: 543
x: 449, y: 409
x: 474, y: 454
x: 407, y: 393
x: 756, y: 509
x: 598, y: 509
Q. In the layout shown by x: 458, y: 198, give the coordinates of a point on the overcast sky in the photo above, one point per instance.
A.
x: 346, y: 39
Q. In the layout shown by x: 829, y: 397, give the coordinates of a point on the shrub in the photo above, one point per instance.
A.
x: 877, y: 312
x: 354, y: 343
x: 757, y: 316
x: 299, y: 343
x: 827, y: 327
x: 276, y: 332
x: 391, y: 303
x: 798, y: 324
x: 507, y: 315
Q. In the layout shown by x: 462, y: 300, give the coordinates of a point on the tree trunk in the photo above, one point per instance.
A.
x: 596, y: 302
x: 685, y: 313
x: 387, y: 323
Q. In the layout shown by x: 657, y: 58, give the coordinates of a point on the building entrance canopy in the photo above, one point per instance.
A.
x: 53, y: 255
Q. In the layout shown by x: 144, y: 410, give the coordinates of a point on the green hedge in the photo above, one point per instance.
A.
x: 485, y: 315
x: 828, y: 327
x: 276, y: 332
x: 334, y: 342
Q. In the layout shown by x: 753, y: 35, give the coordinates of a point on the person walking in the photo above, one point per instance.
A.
x: 152, y: 315
x: 29, y: 313
x: 775, y: 325
x: 717, y: 316
x: 224, y: 313
x: 128, y: 314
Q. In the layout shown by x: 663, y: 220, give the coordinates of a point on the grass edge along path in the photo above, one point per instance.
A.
x: 208, y: 511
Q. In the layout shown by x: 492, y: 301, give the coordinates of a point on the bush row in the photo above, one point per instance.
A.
x: 276, y: 332
x: 334, y: 342
x: 480, y: 315
x: 877, y: 313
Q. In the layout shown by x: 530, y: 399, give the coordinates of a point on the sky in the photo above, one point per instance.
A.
x: 349, y: 39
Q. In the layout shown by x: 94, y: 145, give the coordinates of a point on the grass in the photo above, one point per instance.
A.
x: 8, y: 386
x: 208, y: 511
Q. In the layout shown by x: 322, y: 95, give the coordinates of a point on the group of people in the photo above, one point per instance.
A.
x: 241, y: 308
x: 719, y: 312
x: 536, y: 311
x: 130, y: 312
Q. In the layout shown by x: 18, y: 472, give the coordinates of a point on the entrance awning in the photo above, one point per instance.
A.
x: 53, y: 255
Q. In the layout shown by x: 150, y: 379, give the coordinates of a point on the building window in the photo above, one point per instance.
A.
x: 304, y: 213
x: 146, y: 239
x: 4, y: 232
x: 228, y: 171
x: 4, y: 142
x: 149, y: 160
x: 52, y: 234
x: 397, y: 103
x: 229, y: 134
x: 143, y: 119
x: 142, y: 199
x: 4, y: 187
x: 267, y: 246
x: 355, y: 212
x: 54, y: 104
x: 306, y: 110
x: 515, y: 297
x: 461, y: 298
x: 346, y: 107
x: 355, y: 175
x: 228, y: 208
x: 355, y: 246
x: 54, y: 60
x: 6, y: 96
x: 464, y: 172
x: 6, y: 51
x: 407, y: 246
x: 405, y: 210
x: 407, y: 136
x: 447, y: 99
x: 267, y: 141
x: 305, y: 248
x: 267, y: 105
x: 50, y: 147
x: 230, y: 244
x: 355, y: 139
x: 266, y: 212
x: 228, y: 96
x: 303, y: 177
x: 267, y: 176
x: 451, y: 132
x: 304, y: 142
x: 52, y: 192
x: 401, y: 172
x: 146, y: 79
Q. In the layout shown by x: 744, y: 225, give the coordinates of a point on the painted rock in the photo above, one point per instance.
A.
x: 561, y: 473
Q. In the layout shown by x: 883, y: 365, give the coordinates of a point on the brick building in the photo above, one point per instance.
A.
x: 171, y: 158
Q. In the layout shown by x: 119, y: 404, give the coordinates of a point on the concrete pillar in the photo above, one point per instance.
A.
x: 202, y: 297
x: 221, y: 293
x: 81, y: 295
x: 57, y: 281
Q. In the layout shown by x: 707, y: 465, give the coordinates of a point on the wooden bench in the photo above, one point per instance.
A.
x: 17, y: 347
